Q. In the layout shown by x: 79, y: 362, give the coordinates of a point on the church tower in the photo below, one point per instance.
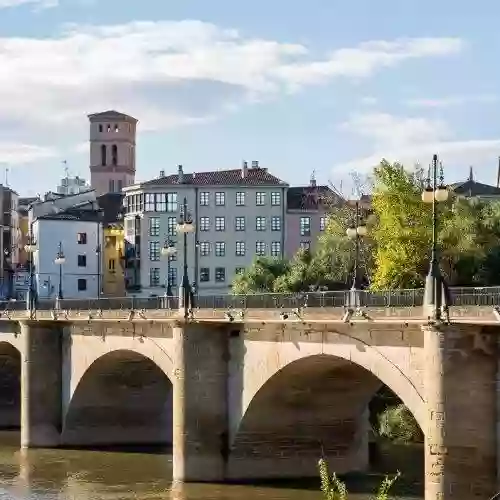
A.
x: 112, y: 151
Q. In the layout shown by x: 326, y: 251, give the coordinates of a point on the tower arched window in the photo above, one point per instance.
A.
x: 103, y: 155
x: 114, y: 154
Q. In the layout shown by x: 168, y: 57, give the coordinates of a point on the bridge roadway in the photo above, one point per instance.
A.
x: 261, y: 395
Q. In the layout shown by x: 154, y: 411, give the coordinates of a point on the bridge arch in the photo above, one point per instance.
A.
x: 122, y: 397
x: 10, y: 386
x: 302, y: 398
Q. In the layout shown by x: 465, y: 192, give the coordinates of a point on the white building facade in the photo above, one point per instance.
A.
x: 237, y: 215
x: 81, y: 270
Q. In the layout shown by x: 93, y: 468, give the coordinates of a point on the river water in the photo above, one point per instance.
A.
x: 118, y: 475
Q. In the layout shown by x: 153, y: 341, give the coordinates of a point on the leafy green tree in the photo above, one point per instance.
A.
x: 260, y: 276
x: 399, y: 425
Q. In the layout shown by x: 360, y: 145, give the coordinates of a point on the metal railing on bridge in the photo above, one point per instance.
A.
x: 466, y: 296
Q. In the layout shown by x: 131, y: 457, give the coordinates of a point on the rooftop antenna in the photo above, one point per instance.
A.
x: 498, y: 173
x: 7, y: 176
x: 66, y: 169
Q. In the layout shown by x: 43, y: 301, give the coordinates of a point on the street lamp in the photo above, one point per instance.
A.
x: 355, y: 232
x: 59, y: 261
x: 435, y: 286
x: 98, y: 252
x: 168, y: 251
x: 30, y: 249
x: 185, y: 226
x: 9, y: 271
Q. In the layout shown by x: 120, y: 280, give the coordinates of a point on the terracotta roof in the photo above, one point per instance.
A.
x: 111, y: 114
x: 310, y: 197
x: 253, y: 177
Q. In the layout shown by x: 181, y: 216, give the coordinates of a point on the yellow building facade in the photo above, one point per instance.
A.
x: 113, y: 276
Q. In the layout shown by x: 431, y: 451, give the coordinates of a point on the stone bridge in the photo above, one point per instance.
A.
x: 260, y: 396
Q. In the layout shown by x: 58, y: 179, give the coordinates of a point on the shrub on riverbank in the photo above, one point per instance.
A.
x: 335, y: 489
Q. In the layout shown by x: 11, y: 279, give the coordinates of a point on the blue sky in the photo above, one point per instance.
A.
x: 326, y: 86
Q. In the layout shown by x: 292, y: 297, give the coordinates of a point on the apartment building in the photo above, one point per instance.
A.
x: 237, y: 215
x: 306, y: 215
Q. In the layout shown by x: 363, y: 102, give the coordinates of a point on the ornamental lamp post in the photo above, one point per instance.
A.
x: 168, y: 251
x: 436, y: 297
x: 185, y: 226
x: 30, y: 248
x: 59, y: 261
x: 355, y: 232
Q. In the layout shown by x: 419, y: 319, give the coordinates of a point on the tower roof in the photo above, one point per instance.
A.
x: 111, y: 115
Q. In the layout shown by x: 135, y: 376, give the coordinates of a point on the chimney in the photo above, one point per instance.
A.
x: 180, y: 179
x: 162, y: 173
x: 255, y: 164
x: 244, y: 169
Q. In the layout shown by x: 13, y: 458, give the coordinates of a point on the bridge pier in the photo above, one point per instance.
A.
x: 41, y: 384
x: 200, y: 422
x: 460, y: 434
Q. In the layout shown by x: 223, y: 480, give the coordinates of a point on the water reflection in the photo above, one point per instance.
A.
x: 107, y: 475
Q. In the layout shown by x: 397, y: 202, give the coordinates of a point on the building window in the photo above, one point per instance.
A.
x: 260, y: 248
x: 260, y: 199
x: 204, y: 247
x: 114, y: 154
x: 322, y: 223
x: 111, y: 186
x: 103, y: 155
x: 204, y: 223
x: 220, y: 274
x: 108, y: 128
x: 160, y: 202
x: 172, y: 226
x: 154, y: 276
x: 154, y: 226
x: 82, y: 284
x: 154, y: 250
x: 275, y: 198
x: 276, y: 223
x: 276, y: 248
x: 171, y: 202
x: 220, y: 223
x: 100, y: 127
x: 260, y: 223
x: 240, y: 248
x: 220, y: 199
x: 239, y: 223
x: 305, y: 226
x: 116, y: 127
x: 239, y: 270
x: 305, y: 245
x: 220, y: 248
x: 204, y: 199
x: 82, y: 261
x: 240, y: 199
x: 120, y: 185
x: 111, y: 265
x: 172, y: 276
x: 204, y: 274
x: 81, y: 238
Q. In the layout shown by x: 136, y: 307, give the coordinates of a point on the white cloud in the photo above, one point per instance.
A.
x: 37, y: 4
x: 445, y: 102
x: 413, y: 140
x: 169, y: 73
x: 12, y: 153
x: 369, y: 100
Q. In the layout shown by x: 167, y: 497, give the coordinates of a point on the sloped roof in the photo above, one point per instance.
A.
x: 310, y: 197
x: 253, y: 177
x: 111, y: 114
x: 473, y: 188
x: 111, y: 205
